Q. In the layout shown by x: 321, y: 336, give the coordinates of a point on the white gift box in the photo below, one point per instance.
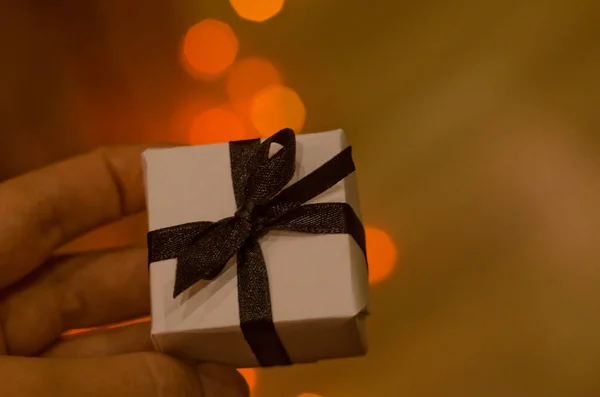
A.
x: 318, y: 282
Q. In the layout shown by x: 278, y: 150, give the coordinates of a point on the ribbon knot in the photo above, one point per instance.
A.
x: 204, y: 248
x: 253, y: 215
x: 246, y: 213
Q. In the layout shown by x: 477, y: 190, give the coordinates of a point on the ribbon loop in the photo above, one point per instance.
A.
x: 269, y: 174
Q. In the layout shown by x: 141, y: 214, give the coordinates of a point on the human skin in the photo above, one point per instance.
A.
x: 42, y: 295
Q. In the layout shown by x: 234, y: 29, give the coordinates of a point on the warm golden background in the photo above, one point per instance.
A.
x: 475, y: 126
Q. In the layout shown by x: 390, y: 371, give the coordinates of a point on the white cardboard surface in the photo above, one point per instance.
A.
x: 319, y: 283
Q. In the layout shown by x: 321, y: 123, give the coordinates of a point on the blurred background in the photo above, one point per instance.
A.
x: 475, y: 127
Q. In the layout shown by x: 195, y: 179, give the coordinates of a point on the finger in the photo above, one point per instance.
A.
x: 78, y: 291
x: 141, y: 374
x: 44, y: 209
x: 106, y: 342
x: 128, y: 231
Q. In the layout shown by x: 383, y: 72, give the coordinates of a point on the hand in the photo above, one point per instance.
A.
x: 43, y: 295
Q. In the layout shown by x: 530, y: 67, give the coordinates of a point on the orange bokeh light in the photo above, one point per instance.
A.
x: 183, y: 118
x: 309, y: 395
x: 248, y: 77
x: 209, y: 48
x: 381, y: 254
x: 257, y: 10
x: 117, y: 325
x: 251, y: 377
x: 276, y: 107
x: 215, y: 126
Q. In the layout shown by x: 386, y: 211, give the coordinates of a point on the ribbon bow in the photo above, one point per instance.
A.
x: 203, y: 249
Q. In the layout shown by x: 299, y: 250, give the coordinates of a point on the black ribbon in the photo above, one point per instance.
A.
x: 203, y: 249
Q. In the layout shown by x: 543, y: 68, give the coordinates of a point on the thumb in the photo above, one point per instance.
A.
x: 139, y: 374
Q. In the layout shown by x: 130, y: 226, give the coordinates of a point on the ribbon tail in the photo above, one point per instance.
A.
x: 188, y: 273
x: 256, y: 316
x: 170, y: 242
x: 324, y: 218
x: 208, y: 255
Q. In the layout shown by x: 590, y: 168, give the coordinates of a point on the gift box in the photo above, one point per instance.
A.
x: 256, y: 251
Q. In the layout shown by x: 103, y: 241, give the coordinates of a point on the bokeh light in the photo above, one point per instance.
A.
x: 251, y: 377
x: 145, y: 319
x: 381, y: 254
x: 78, y: 331
x: 257, y: 10
x: 309, y: 395
x: 189, y: 110
x: 215, y: 126
x: 276, y: 107
x: 209, y: 48
x: 248, y: 77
